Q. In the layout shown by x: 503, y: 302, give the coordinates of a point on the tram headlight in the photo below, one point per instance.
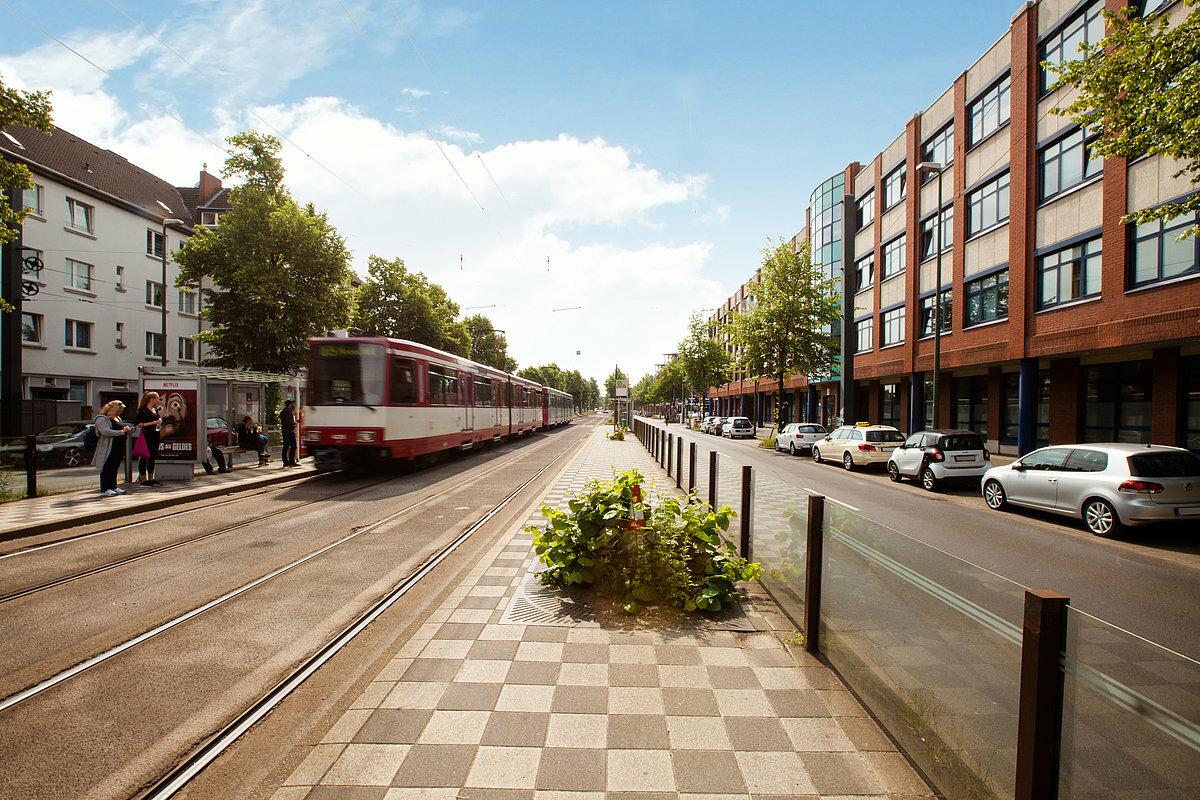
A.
x: 366, y: 437
x: 312, y: 436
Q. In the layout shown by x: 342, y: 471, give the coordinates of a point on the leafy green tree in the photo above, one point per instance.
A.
x: 532, y: 374
x: 488, y: 345
x: 576, y: 386
x: 788, y: 330
x: 274, y: 273
x: 395, y: 302
x: 31, y: 109
x: 642, y: 392
x: 610, y: 383
x: 1139, y: 94
x: 703, y: 359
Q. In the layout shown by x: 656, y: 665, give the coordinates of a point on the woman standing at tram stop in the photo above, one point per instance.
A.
x: 110, y: 446
x: 148, y: 422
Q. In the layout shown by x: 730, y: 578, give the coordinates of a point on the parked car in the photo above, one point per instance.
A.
x: 59, y: 445
x: 1108, y: 485
x: 858, y: 445
x: 718, y: 424
x: 935, y: 456
x: 706, y: 423
x: 799, y: 436
x: 738, y: 426
x: 219, y: 433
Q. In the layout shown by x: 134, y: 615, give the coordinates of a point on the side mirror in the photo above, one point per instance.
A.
x: 1019, y: 467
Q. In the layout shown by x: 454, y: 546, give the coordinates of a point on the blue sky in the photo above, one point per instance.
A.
x: 647, y: 149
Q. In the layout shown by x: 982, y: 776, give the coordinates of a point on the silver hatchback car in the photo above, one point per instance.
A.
x: 1108, y: 485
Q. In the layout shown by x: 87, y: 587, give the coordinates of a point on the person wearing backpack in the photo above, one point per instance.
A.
x: 148, y: 421
x: 110, y: 446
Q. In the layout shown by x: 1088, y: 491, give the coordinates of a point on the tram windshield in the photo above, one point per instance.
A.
x: 346, y: 373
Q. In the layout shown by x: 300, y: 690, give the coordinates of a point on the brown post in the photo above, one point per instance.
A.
x: 670, y: 450
x: 691, y: 467
x: 1039, y: 714
x: 679, y: 462
x: 30, y: 465
x: 712, y: 479
x: 747, y: 504
x: 812, y: 570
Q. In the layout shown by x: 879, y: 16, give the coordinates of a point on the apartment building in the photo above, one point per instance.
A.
x: 1059, y: 322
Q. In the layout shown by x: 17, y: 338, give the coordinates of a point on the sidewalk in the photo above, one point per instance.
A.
x: 504, y: 692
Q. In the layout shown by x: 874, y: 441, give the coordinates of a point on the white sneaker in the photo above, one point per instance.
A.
x: 109, y: 493
x: 119, y: 491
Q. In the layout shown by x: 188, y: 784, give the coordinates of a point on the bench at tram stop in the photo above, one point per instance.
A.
x: 229, y: 451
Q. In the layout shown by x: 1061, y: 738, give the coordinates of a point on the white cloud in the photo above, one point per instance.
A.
x: 415, y: 93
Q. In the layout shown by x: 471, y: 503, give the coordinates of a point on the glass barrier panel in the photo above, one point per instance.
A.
x: 729, y: 484
x: 1131, y: 716
x: 12, y: 468
x: 931, y: 644
x: 702, y: 472
x: 778, y: 540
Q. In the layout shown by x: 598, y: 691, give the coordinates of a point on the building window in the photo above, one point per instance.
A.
x: 1069, y: 274
x: 891, y: 327
x: 154, y: 344
x: 155, y: 294
x: 893, y: 186
x: 187, y: 302
x: 971, y: 404
x: 939, y: 149
x: 1148, y: 7
x: 154, y: 243
x: 31, y: 264
x: 989, y: 112
x: 31, y: 328
x: 31, y: 199
x: 864, y: 211
x: 79, y: 275
x: 929, y: 312
x: 78, y: 334
x: 864, y: 272
x: 187, y: 348
x: 79, y: 216
x: 1067, y: 163
x: 1158, y: 255
x: 1118, y: 402
x: 120, y: 342
x: 987, y: 298
x: 929, y: 234
x: 1189, y: 378
x: 890, y: 412
x: 210, y: 219
x: 1063, y: 45
x: 893, y: 257
x: 864, y: 333
x: 987, y: 205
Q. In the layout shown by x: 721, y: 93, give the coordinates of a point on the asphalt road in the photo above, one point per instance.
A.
x: 1147, y: 583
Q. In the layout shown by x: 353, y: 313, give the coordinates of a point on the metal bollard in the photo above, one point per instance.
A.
x: 747, y: 505
x: 812, y: 570
x: 712, y: 479
x: 679, y: 462
x: 31, y: 465
x: 691, y: 468
x: 1039, y: 714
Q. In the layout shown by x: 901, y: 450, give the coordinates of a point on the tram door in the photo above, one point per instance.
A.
x: 468, y: 401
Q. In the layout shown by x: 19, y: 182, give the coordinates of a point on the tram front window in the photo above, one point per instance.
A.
x: 346, y: 373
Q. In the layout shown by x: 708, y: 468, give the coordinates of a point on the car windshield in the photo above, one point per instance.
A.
x: 741, y: 421
x: 885, y: 436
x: 811, y: 429
x: 1181, y: 464
x: 346, y: 372
x: 962, y: 442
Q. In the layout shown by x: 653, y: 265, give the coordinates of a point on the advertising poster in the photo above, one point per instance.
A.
x: 179, y: 439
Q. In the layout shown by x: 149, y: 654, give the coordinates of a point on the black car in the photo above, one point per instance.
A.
x: 59, y: 445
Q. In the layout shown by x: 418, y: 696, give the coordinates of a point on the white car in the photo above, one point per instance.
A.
x: 858, y: 445
x: 799, y: 436
x: 935, y: 456
x: 738, y: 426
x: 706, y: 423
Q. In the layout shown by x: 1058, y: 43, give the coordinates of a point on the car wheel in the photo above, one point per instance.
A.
x: 894, y: 472
x: 993, y: 495
x: 791, y: 448
x: 847, y: 461
x: 816, y: 454
x: 929, y: 481
x: 1100, y: 518
x: 72, y: 457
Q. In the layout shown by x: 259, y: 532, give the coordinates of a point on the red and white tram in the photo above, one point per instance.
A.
x: 376, y: 399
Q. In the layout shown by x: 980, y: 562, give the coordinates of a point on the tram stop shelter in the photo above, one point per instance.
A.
x: 204, y: 405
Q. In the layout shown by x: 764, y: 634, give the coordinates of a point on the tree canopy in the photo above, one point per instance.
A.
x: 31, y: 109
x: 488, y: 345
x: 703, y: 359
x: 395, y: 302
x: 1139, y: 94
x: 788, y: 330
x: 273, y: 274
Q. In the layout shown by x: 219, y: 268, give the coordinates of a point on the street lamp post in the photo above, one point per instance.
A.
x: 933, y: 166
x: 165, y: 223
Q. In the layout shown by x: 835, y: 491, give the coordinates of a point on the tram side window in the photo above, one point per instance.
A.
x: 402, y: 385
x: 483, y: 392
x: 443, y: 386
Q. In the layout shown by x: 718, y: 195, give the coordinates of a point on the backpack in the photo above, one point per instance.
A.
x: 90, y: 438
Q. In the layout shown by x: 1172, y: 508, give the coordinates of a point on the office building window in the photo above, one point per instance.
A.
x: 187, y: 302
x: 864, y: 334
x: 938, y: 148
x: 864, y: 211
x: 893, y: 186
x: 1189, y: 379
x: 891, y: 327
x: 1012, y: 406
x: 120, y: 338
x: 155, y: 294
x: 1069, y: 274
x: 987, y: 205
x: 120, y: 286
x: 154, y: 243
x: 31, y: 199
x: 893, y: 257
x: 987, y: 298
x: 929, y: 234
x: 187, y: 348
x: 79, y: 275
x: 971, y: 404
x: 31, y: 328
x: 989, y: 112
x: 1087, y: 25
x: 154, y: 344
x: 1148, y: 7
x: 1158, y: 255
x: 1118, y: 402
x: 1067, y: 163
x: 80, y: 216
x: 929, y: 312
x: 864, y: 272
x: 78, y: 334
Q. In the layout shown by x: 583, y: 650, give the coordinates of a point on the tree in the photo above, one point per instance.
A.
x: 642, y: 393
x: 31, y: 109
x: 404, y: 305
x: 788, y: 330
x: 610, y: 383
x: 1139, y: 94
x: 488, y: 345
x: 274, y: 273
x: 703, y: 359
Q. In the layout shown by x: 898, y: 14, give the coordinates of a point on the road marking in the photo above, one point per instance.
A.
x: 833, y: 500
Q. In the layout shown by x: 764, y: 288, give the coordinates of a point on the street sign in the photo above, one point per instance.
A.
x: 622, y: 387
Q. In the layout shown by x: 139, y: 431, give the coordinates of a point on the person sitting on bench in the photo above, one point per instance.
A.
x: 250, y: 438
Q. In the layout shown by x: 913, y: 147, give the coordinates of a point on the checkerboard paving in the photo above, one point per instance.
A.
x: 470, y: 708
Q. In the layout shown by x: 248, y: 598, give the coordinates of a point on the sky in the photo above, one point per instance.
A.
x: 587, y: 175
